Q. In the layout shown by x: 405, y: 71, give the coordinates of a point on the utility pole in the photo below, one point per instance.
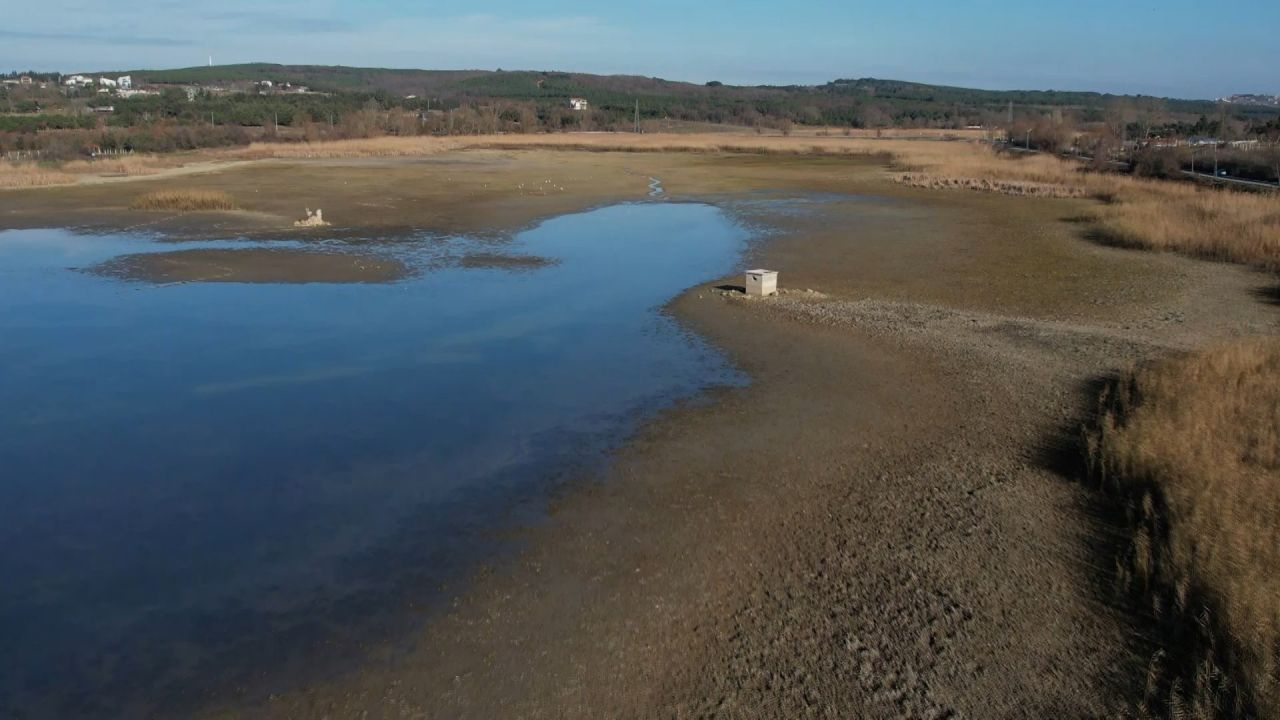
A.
x: 1028, y: 139
x: 637, y: 117
x: 1215, y: 160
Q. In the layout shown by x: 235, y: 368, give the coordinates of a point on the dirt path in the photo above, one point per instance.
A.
x: 882, y: 525
x: 194, y: 168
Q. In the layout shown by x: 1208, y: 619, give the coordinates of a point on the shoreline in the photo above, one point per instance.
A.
x: 878, y: 522
x: 685, y: 582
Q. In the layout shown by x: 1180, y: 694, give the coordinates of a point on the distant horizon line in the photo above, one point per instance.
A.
x: 975, y: 86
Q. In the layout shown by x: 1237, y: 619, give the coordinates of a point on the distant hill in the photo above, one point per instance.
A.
x: 864, y: 102
x: 532, y: 85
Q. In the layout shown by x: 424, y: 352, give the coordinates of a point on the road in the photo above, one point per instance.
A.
x: 1235, y: 181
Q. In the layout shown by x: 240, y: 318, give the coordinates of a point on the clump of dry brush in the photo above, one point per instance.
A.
x: 1021, y: 188
x: 184, y: 200
x: 1191, y: 447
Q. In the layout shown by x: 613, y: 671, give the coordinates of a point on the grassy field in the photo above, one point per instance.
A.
x: 1192, y: 445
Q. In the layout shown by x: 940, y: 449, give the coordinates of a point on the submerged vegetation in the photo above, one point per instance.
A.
x: 1191, y: 447
x: 184, y: 200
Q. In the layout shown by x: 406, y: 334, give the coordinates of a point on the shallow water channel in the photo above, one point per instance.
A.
x: 201, y: 482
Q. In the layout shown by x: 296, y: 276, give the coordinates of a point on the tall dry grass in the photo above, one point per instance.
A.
x: 1214, y: 224
x: 28, y: 174
x: 1192, y: 447
x: 184, y: 200
x: 22, y: 175
x: 122, y: 165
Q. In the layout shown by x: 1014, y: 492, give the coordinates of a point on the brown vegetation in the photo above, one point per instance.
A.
x: 1218, y: 224
x: 1004, y: 187
x: 184, y: 200
x: 122, y: 165
x: 1192, y: 447
x: 19, y: 175
x: 1215, y: 224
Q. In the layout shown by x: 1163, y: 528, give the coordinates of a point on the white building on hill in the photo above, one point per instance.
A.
x: 579, y: 104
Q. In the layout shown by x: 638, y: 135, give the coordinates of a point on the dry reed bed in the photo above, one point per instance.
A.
x: 20, y: 175
x: 1193, y: 446
x: 184, y: 201
x: 1214, y: 224
x: 130, y: 165
x: 1018, y: 188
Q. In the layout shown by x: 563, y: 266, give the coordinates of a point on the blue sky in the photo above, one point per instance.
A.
x: 1174, y: 47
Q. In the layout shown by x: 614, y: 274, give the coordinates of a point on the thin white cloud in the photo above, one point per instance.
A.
x: 95, y: 38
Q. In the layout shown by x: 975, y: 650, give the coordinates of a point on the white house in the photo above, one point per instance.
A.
x: 125, y: 82
x: 78, y: 80
x: 579, y: 104
x: 106, y: 82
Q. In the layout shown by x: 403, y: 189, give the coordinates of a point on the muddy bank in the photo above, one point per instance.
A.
x: 472, y: 192
x: 252, y: 265
x: 494, y: 261
x: 880, y: 526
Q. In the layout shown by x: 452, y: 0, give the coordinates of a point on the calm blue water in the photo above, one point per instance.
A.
x: 201, y: 482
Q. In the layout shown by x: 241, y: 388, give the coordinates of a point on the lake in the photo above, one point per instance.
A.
x: 204, y: 481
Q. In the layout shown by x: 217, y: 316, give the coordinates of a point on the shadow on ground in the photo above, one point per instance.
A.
x: 1269, y: 294
x: 1104, y: 533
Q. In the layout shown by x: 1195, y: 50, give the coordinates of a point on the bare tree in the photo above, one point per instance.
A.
x: 1149, y: 112
x: 1117, y: 117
